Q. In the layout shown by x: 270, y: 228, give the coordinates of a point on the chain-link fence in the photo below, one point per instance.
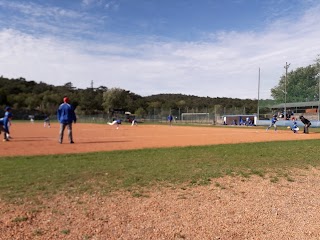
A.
x: 207, y: 115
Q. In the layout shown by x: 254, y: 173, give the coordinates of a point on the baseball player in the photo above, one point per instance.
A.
x: 170, y: 119
x: 134, y: 122
x: 273, y: 123
x: 4, y: 126
x: 294, y: 127
x: 8, y: 110
x: 115, y: 122
x: 46, y: 122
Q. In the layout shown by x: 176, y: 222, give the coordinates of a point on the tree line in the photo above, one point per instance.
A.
x: 30, y: 97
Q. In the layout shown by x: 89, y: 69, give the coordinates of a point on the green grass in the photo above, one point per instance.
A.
x: 105, y: 172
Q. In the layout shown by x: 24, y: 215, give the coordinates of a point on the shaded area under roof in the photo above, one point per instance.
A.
x: 313, y: 104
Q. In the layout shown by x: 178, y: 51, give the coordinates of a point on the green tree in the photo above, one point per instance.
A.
x: 88, y: 101
x: 3, y: 97
x: 116, y: 98
x: 32, y: 102
x: 50, y: 103
x: 153, y: 107
x: 140, y: 112
x: 301, y: 85
x: 17, y: 101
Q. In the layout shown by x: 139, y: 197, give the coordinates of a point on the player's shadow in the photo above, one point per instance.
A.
x: 31, y: 139
x: 96, y: 142
x: 47, y: 139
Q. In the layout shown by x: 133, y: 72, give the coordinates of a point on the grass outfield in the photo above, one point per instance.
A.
x: 104, y: 172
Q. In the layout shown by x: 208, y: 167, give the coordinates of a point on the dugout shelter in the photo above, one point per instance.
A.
x: 240, y: 120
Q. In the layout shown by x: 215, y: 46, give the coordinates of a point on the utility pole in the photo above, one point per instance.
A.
x: 258, y: 113
x: 285, y: 90
x: 92, y: 84
x: 318, y: 75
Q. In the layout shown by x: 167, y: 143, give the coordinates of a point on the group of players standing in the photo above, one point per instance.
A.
x: 66, y: 116
x: 294, y: 126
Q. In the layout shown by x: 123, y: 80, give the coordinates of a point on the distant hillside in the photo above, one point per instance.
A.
x: 29, y: 95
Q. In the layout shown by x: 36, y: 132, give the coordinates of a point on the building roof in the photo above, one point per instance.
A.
x: 297, y: 104
x: 240, y: 115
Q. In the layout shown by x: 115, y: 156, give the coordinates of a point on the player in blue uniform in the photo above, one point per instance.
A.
x: 273, y: 123
x: 8, y: 111
x: 46, y: 122
x: 170, y: 119
x: 294, y: 127
x: 66, y: 116
x: 134, y: 121
x: 4, y: 126
x: 115, y: 122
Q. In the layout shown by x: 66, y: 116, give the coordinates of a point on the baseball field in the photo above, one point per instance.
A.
x: 159, y: 182
x: 34, y: 139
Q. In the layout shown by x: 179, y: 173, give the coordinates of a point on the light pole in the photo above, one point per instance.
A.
x: 318, y: 76
x: 285, y: 90
x: 258, y: 112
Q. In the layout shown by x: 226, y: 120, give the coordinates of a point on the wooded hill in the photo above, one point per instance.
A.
x: 29, y: 97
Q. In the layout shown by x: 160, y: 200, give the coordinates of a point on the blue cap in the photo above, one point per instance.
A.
x: 7, y: 108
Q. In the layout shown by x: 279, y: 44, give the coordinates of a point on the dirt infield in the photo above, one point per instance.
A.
x: 34, y: 139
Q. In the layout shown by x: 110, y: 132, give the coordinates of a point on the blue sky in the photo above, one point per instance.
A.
x: 196, y: 47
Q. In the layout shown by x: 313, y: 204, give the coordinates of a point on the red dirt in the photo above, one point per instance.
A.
x: 34, y: 139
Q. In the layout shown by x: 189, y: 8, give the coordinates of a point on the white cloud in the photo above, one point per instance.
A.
x: 113, y: 5
x: 44, y: 19
x: 106, y: 4
x: 88, y: 2
x: 226, y: 66
x: 31, y: 9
